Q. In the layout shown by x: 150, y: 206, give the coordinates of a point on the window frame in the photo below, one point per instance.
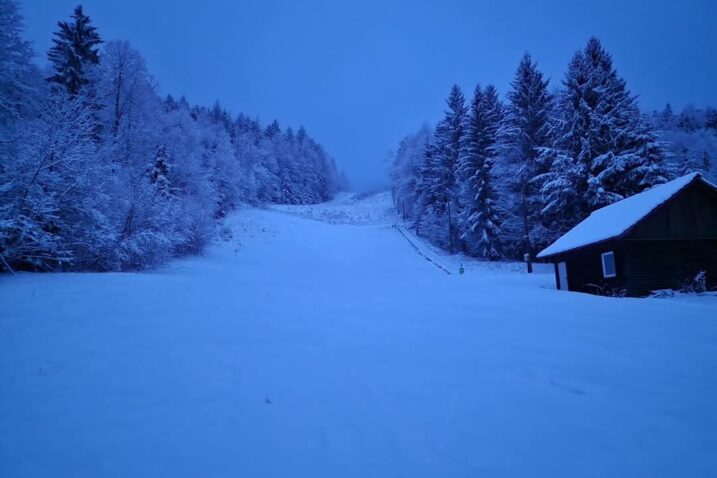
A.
x: 605, y: 275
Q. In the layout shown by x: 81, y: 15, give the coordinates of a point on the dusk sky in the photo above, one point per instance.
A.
x: 361, y: 75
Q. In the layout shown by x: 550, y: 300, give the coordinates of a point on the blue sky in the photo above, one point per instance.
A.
x: 360, y: 75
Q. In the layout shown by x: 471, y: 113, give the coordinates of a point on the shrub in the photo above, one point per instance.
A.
x: 696, y: 284
x: 607, y: 291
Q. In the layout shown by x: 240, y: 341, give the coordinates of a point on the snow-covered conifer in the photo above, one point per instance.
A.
x: 438, y: 183
x: 75, y: 48
x: 523, y: 131
x: 602, y: 149
x: 478, y: 219
x: 159, y: 173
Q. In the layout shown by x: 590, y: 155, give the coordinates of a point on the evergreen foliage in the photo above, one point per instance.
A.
x: 523, y: 132
x: 479, y: 222
x: 601, y: 148
x: 506, y: 180
x: 102, y: 174
x: 438, y: 173
x: 74, y: 51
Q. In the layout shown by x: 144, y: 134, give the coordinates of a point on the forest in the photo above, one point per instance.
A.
x: 99, y: 172
x: 498, y: 179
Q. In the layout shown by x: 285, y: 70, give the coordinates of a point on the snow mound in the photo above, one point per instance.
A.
x: 614, y: 220
x: 348, y: 209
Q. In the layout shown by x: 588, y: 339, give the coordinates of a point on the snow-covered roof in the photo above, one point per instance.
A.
x: 616, y: 219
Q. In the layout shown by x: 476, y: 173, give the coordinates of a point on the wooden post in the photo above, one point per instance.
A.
x: 526, y: 258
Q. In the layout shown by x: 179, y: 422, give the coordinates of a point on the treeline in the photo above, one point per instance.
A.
x: 97, y: 172
x: 500, y: 179
x: 690, y: 138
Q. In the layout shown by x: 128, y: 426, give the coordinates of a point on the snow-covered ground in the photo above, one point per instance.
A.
x: 348, y: 208
x: 329, y: 347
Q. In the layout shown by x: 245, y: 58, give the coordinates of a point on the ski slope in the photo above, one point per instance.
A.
x: 313, y: 342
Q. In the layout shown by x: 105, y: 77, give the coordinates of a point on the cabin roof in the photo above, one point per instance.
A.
x: 611, y: 222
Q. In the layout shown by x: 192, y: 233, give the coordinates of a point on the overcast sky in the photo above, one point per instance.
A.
x: 360, y: 75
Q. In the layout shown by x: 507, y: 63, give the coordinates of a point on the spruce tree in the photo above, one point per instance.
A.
x: 706, y: 162
x: 301, y: 135
x: 273, y: 129
x: 443, y: 167
x: 689, y: 119
x: 75, y: 47
x: 711, y: 119
x: 478, y: 220
x: 666, y: 117
x: 159, y: 173
x: 426, y: 191
x: 523, y: 131
x: 603, y: 150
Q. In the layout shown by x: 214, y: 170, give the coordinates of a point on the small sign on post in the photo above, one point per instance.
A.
x: 526, y: 258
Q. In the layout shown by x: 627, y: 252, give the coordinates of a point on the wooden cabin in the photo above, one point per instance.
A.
x: 658, y: 239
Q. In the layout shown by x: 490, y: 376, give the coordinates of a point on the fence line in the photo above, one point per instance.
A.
x: 418, y: 250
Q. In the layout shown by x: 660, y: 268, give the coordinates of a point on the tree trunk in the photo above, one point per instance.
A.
x: 118, y: 113
x: 526, y: 223
x: 450, y: 229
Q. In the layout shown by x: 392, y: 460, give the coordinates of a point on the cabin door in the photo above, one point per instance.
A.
x: 562, y: 276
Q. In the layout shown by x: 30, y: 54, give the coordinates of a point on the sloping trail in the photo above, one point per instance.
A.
x: 302, y: 348
x: 418, y: 250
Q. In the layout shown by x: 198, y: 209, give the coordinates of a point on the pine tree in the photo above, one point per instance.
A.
x: 689, y: 120
x: 273, y: 129
x: 603, y: 150
x: 301, y: 135
x: 440, y: 172
x: 159, y: 173
x: 428, y: 217
x: 667, y: 117
x: 523, y: 131
x: 706, y: 162
x: 478, y: 220
x: 75, y: 48
x: 711, y: 119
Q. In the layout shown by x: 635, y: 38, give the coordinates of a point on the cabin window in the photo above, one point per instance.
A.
x: 608, y: 265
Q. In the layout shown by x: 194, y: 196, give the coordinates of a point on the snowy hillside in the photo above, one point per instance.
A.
x: 348, y: 208
x: 305, y: 347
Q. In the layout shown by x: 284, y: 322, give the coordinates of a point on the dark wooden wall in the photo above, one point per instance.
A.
x: 585, y: 268
x: 692, y: 214
x: 667, y: 248
x: 667, y: 264
x: 674, y: 243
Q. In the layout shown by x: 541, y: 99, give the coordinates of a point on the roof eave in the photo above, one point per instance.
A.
x: 698, y: 177
x: 584, y: 246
